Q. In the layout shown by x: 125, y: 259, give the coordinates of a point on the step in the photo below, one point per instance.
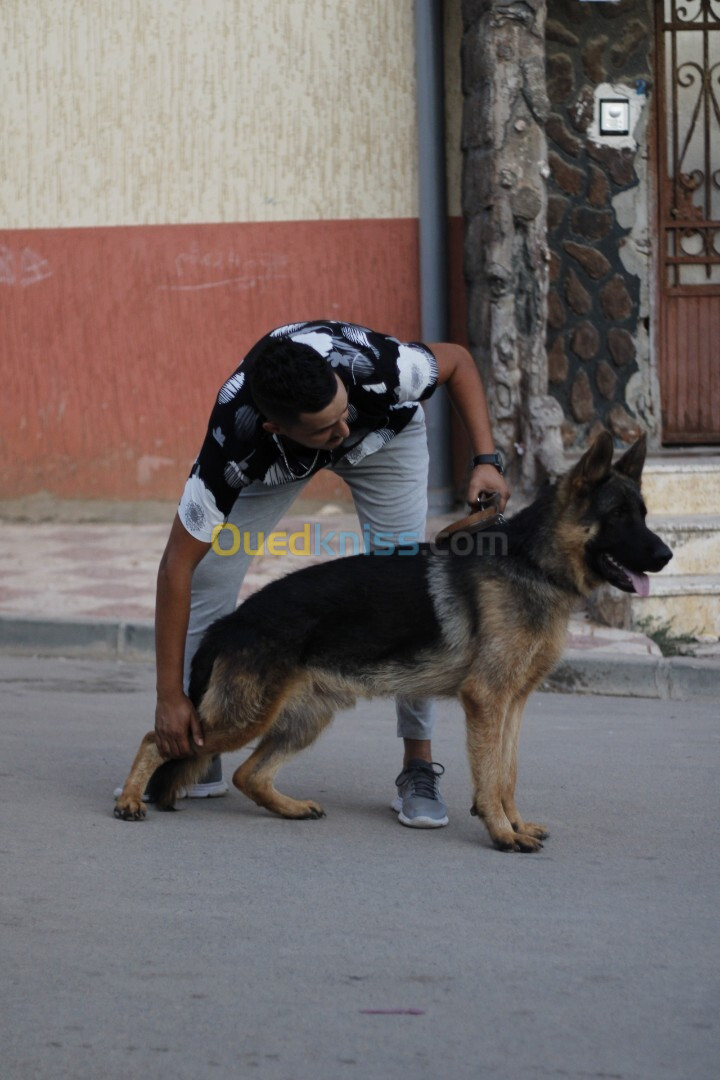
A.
x: 694, y: 541
x: 673, y: 485
x: 688, y: 604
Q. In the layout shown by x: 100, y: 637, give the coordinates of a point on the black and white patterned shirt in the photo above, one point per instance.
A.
x: 384, y: 378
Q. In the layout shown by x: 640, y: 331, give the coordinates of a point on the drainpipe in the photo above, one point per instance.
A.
x: 433, y: 234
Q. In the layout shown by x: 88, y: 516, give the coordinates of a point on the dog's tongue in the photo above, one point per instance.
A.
x: 641, y: 582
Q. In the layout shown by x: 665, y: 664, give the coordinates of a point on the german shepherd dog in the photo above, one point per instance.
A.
x: 484, y: 629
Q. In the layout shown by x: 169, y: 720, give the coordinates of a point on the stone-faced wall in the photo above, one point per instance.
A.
x: 505, y: 208
x: 596, y: 311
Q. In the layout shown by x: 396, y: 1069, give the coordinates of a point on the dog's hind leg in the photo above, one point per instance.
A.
x: 486, y: 714
x: 130, y: 806
x: 510, y: 738
x: 161, y: 779
x: 297, y: 725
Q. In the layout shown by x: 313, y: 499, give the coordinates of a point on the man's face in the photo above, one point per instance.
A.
x: 323, y: 430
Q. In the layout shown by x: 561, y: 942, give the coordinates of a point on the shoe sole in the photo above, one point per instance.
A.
x: 196, y: 791
x: 207, y: 791
x: 423, y: 822
x: 418, y: 822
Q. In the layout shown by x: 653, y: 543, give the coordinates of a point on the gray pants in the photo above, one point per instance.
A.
x: 389, y: 489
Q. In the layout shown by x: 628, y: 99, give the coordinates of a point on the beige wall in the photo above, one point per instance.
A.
x: 142, y: 112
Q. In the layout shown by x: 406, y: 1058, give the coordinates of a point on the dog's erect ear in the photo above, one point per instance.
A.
x: 595, y: 464
x: 632, y: 461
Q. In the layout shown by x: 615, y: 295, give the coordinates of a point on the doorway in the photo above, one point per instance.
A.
x: 688, y: 167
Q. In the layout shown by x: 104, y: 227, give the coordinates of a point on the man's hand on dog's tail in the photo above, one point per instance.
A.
x: 178, y: 728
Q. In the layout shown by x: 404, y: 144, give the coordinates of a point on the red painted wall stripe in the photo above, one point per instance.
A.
x: 113, y: 342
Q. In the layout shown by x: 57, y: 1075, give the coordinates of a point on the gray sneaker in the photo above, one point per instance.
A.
x: 418, y: 803
x: 212, y: 785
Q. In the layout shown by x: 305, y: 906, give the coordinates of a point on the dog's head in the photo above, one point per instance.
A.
x: 608, y: 506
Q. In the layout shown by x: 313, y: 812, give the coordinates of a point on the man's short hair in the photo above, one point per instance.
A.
x: 288, y: 379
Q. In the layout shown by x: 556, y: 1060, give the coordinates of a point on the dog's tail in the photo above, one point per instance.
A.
x: 200, y: 672
x: 167, y: 782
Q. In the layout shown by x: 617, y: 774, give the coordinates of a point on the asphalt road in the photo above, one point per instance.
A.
x: 219, y: 941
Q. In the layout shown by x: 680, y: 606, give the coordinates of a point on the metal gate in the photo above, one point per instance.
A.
x: 688, y: 145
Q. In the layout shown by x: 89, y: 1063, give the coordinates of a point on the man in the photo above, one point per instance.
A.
x: 311, y: 396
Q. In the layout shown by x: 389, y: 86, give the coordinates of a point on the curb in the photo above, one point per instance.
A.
x: 97, y: 638
x: 677, y: 678
x: 681, y: 678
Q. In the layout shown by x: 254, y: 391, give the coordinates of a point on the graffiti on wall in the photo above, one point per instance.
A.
x: 24, y: 267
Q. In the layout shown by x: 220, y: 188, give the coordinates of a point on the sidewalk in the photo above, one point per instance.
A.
x: 88, y: 589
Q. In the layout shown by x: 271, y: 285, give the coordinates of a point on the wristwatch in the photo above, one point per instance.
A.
x: 490, y: 459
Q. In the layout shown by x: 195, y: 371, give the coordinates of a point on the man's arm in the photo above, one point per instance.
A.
x: 176, y: 721
x: 457, y: 371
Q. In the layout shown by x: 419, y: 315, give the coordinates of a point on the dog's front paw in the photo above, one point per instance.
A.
x: 129, y: 809
x: 302, y: 809
x: 533, y: 829
x: 515, y: 841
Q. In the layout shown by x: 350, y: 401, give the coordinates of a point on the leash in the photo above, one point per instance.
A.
x: 485, y: 516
